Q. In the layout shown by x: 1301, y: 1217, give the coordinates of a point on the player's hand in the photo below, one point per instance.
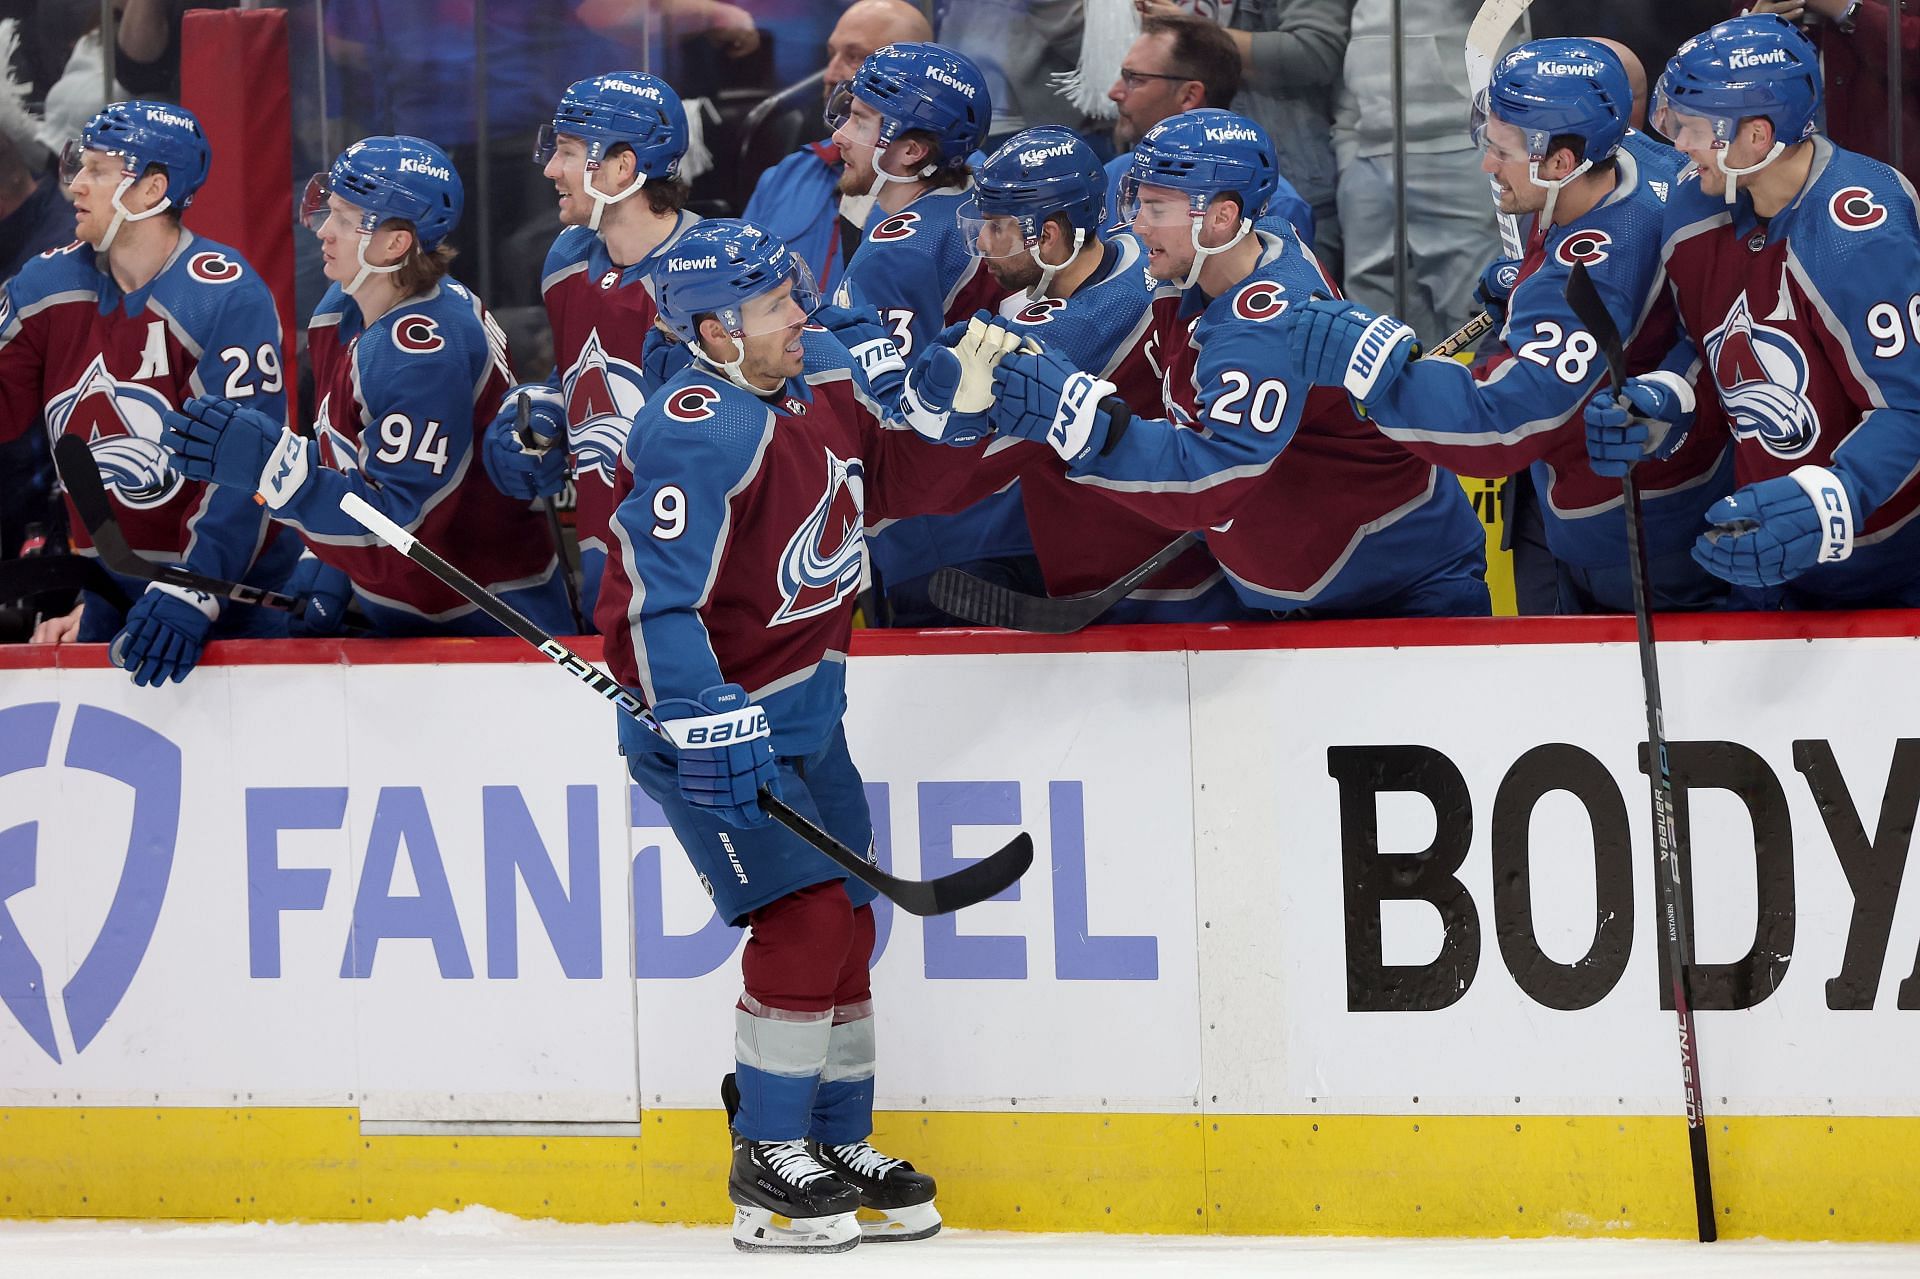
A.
x: 981, y: 345
x: 1791, y: 10
x: 725, y: 752
x: 518, y: 468
x: 1771, y: 532
x: 731, y: 28
x: 1496, y: 286
x: 1650, y: 418
x: 164, y: 632
x: 323, y: 592
x: 1337, y: 343
x: 926, y: 401
x: 865, y: 336
x: 1039, y: 396
x: 661, y: 360
x: 59, y: 630
x: 226, y: 443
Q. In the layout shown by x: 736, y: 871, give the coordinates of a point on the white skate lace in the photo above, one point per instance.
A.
x: 865, y: 1160
x: 790, y: 1161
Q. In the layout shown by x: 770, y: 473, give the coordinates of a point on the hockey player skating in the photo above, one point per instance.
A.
x: 104, y: 335
x: 612, y: 152
x: 735, y: 562
x: 1794, y: 265
x: 1310, y: 510
x: 407, y: 369
x: 1551, y: 130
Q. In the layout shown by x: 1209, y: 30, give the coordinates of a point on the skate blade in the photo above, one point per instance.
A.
x: 899, y: 1225
x: 762, y: 1230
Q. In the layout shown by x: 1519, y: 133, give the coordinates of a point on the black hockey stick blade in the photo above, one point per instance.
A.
x: 74, y: 460
x: 1593, y: 315
x: 43, y: 574
x: 989, y: 604
x: 941, y: 896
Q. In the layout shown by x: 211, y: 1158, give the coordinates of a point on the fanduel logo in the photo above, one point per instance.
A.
x: 1232, y: 133
x: 126, y: 751
x: 952, y: 82
x: 1045, y: 153
x: 707, y: 263
x: 1747, y: 58
x: 411, y: 164
x: 1569, y: 68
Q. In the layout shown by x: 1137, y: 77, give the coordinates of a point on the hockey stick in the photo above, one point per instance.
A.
x: 989, y: 604
x: 943, y: 896
x: 523, y: 423
x: 1592, y: 312
x: 1464, y: 336
x: 74, y: 460
x: 1484, y: 38
x: 43, y: 574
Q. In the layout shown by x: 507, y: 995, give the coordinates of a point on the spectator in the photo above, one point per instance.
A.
x: 1852, y: 38
x: 147, y: 45
x: 1019, y: 45
x: 1449, y: 214
x: 1180, y: 63
x: 797, y: 199
x: 1290, y: 59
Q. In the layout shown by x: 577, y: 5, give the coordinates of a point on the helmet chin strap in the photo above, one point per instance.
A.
x: 881, y: 177
x: 1048, y: 269
x: 1733, y: 174
x: 730, y: 369
x: 121, y: 213
x: 601, y: 199
x: 1552, y: 188
x: 1201, y: 252
x: 366, y: 268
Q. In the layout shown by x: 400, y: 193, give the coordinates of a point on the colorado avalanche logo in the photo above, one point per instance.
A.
x: 120, y: 421
x: 337, y: 451
x: 1261, y: 301
x: 603, y: 397
x: 1855, y: 209
x: 417, y: 334
x: 1040, y: 312
x: 821, y: 565
x: 1583, y: 246
x: 213, y: 268
x: 897, y: 227
x: 1762, y: 375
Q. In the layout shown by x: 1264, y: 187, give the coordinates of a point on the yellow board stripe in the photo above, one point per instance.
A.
x: 1784, y: 1178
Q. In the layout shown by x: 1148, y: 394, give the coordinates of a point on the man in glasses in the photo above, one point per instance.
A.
x: 1794, y: 265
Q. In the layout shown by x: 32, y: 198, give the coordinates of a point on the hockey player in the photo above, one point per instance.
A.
x: 1793, y: 264
x: 1038, y: 208
x: 407, y: 369
x: 613, y: 153
x: 735, y: 561
x: 106, y: 334
x: 1550, y: 128
x: 905, y: 125
x: 1310, y: 510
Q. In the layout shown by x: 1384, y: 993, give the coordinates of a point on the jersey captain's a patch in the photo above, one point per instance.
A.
x: 821, y: 563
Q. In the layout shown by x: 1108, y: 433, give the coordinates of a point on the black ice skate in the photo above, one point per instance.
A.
x: 887, y: 1186
x: 784, y: 1200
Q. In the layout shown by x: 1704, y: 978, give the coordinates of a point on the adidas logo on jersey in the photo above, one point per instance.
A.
x: 951, y: 81
x: 708, y: 263
x: 1747, y: 58
x: 1231, y: 133
x: 1045, y: 153
x: 413, y: 164
x: 1568, y: 68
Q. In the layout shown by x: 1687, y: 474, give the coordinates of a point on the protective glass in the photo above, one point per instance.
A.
x: 1506, y: 143
x: 1688, y: 132
x: 314, y: 209
x: 990, y: 235
x: 73, y: 158
x: 1156, y: 208
x: 850, y: 120
x: 789, y: 302
x: 545, y: 143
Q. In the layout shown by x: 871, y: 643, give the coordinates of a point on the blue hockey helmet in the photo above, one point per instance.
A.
x: 919, y: 86
x: 1757, y: 65
x: 720, y: 266
x: 1203, y: 153
x: 1552, y: 88
x: 145, y: 133
x: 1036, y: 174
x: 391, y: 177
x: 632, y: 108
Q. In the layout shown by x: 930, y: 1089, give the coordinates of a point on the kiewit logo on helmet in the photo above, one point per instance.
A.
x: 1746, y: 58
x: 173, y: 118
x: 707, y: 263
x: 1569, y: 68
x: 950, y: 80
x: 1046, y: 153
x: 413, y: 164
x: 637, y: 90
x: 1231, y: 133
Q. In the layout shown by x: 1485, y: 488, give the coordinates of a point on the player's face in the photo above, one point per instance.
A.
x: 857, y: 137
x: 1506, y: 160
x: 339, y: 234
x: 1164, y: 223
x: 567, y: 170
x: 770, y: 351
x: 93, y: 186
x: 1698, y: 138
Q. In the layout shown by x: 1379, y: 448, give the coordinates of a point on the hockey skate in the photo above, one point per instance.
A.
x: 896, y: 1200
x: 786, y: 1201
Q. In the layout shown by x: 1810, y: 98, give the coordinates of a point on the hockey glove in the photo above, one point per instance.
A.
x: 661, y: 359
x: 926, y: 402
x: 981, y: 344
x: 323, y: 592
x: 1772, y: 532
x: 163, y: 635
x: 517, y: 468
x: 1341, y: 344
x: 1039, y: 396
x: 726, y: 752
x: 866, y: 338
x: 222, y: 442
x: 1496, y: 286
x: 1650, y: 418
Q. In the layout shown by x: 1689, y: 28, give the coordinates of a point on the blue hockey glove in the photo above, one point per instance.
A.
x: 323, y: 592
x: 164, y: 633
x: 522, y: 470
x: 1496, y: 286
x: 661, y: 359
x: 1771, y: 532
x: 726, y: 752
x: 226, y: 443
x: 1343, y: 344
x: 1038, y: 395
x: 865, y: 336
x: 1650, y: 418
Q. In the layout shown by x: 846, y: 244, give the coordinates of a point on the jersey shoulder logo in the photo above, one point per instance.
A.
x: 417, y: 334
x: 1855, y: 209
x: 1588, y: 246
x: 1261, y: 300
x: 1761, y: 373
x: 1040, y: 312
x: 214, y: 268
x: 898, y: 227
x: 691, y: 403
x: 821, y: 563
